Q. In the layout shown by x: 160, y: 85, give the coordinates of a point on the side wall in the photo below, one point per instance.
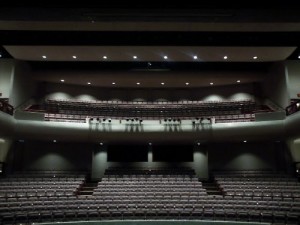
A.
x: 230, y: 92
x: 31, y: 155
x: 275, y: 85
x: 247, y: 156
x: 16, y: 83
x: 293, y: 71
x: 36, y: 155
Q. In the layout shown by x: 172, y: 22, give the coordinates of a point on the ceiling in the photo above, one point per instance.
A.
x: 149, y: 53
x: 122, y: 31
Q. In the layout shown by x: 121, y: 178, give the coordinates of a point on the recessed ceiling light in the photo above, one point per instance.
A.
x: 162, y: 83
x: 211, y: 83
x: 245, y: 141
x: 135, y: 57
x: 44, y: 57
x: 113, y: 83
x: 165, y: 57
x: 101, y: 143
x: 187, y: 83
x: 88, y: 83
x: 104, y: 57
x: 62, y: 80
x: 254, y: 57
x: 74, y: 57
x: 138, y: 83
x: 195, y: 57
x: 225, y: 57
x: 238, y: 81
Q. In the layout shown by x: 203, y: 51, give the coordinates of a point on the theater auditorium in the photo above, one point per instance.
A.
x: 170, y: 114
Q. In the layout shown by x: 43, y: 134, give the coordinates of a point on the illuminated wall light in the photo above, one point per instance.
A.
x: 74, y: 57
x: 195, y: 57
x: 187, y: 83
x: 165, y: 57
x: 104, y: 57
x: 101, y: 143
x: 298, y: 56
x: 211, y: 83
x: 138, y: 83
x: 225, y: 57
x: 238, y: 81
x: 254, y: 57
x: 198, y: 143
x: 162, y: 83
x: 150, y: 143
x: 44, y: 57
x: 135, y: 57
x: 54, y: 141
x: 62, y: 80
x: 89, y: 83
x: 245, y: 141
x: 113, y: 83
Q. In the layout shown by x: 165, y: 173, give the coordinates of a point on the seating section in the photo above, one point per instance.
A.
x: 79, y: 111
x: 37, y: 196
x: 262, y: 195
x: 150, y: 194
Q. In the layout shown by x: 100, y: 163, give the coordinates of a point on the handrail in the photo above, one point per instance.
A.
x: 293, y: 108
x: 6, y: 107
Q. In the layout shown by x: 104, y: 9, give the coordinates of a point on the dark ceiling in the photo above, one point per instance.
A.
x: 212, y: 13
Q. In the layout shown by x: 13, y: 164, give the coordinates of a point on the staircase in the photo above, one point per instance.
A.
x: 87, y: 188
x: 212, y: 188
